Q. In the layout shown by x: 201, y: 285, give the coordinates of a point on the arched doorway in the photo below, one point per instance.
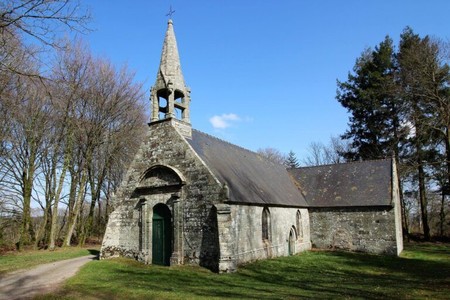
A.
x: 161, y: 235
x: 292, y: 238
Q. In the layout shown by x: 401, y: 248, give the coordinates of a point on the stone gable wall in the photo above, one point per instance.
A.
x: 164, y: 145
x: 367, y: 229
x: 371, y: 230
x: 206, y: 231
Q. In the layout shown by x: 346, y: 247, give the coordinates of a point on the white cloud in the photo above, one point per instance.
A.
x: 224, y: 121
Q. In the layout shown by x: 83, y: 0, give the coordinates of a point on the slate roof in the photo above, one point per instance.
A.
x: 366, y: 183
x: 251, y: 179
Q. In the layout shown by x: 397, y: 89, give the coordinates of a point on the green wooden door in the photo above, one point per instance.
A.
x: 158, y: 241
x: 161, y: 235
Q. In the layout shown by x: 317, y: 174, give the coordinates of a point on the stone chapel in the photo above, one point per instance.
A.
x: 191, y: 198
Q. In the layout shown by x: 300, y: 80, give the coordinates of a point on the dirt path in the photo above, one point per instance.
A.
x: 24, y: 284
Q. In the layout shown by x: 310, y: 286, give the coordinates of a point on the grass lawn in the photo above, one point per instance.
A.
x: 423, y: 271
x: 30, y: 258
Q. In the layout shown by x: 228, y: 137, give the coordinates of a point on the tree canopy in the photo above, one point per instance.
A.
x: 398, y: 100
x: 291, y: 160
x: 66, y: 131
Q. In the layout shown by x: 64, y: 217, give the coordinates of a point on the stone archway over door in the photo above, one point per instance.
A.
x: 292, y: 238
x: 160, y: 188
x: 161, y: 235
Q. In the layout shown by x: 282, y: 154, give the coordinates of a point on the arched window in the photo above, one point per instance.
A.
x: 266, y: 224
x: 299, y: 225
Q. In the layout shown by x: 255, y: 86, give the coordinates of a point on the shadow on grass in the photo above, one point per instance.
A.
x: 309, y: 275
x: 95, y: 252
x: 433, y: 250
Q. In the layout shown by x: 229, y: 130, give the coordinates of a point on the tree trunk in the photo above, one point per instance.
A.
x: 99, y: 224
x: 57, y: 198
x: 54, y: 221
x: 446, y: 186
x: 447, y: 152
x: 74, y: 179
x: 42, y: 235
x: 89, y: 223
x: 442, y: 216
x: 79, y: 228
x: 73, y: 215
x: 26, y: 232
x: 95, y: 190
x: 423, y: 202
x: 108, y: 201
x: 405, y: 223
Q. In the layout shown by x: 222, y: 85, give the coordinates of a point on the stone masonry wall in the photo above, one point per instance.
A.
x: 247, y: 228
x: 206, y: 232
x: 164, y: 145
x: 371, y: 230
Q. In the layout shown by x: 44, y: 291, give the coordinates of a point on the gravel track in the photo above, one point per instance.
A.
x: 45, y: 278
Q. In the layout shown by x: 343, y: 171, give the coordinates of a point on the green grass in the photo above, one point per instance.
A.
x: 30, y: 258
x: 423, y: 271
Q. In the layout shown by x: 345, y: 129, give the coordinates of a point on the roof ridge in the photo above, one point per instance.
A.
x: 344, y: 163
x: 236, y: 146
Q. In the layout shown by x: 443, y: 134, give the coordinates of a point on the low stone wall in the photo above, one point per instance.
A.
x: 370, y: 230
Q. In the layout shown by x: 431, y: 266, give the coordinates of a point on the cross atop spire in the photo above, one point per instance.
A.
x: 170, y: 13
x: 170, y: 67
x: 170, y: 96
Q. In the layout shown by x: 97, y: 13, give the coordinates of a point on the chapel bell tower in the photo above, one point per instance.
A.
x: 170, y: 97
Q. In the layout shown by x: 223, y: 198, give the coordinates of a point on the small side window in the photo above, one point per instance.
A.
x: 299, y: 226
x: 266, y: 224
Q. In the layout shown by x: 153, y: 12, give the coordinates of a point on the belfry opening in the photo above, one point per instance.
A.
x: 170, y: 97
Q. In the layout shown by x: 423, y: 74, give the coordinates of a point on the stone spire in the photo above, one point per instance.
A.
x: 170, y: 97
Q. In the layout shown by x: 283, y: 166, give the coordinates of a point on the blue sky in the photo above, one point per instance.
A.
x: 262, y: 73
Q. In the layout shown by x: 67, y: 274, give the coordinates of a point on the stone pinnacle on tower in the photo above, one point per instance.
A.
x: 170, y: 96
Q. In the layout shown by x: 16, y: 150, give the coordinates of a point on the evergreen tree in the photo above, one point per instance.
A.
x: 291, y: 160
x: 424, y: 83
x: 399, y: 103
x: 370, y: 96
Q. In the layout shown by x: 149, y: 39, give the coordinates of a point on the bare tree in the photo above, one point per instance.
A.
x: 118, y: 126
x: 71, y: 132
x: 334, y: 153
x: 70, y: 77
x: 106, y: 123
x: 28, y: 117
x: 39, y: 23
x: 42, y: 19
x: 272, y: 154
x: 316, y: 155
x: 74, y: 132
x: 321, y: 154
x: 13, y: 56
